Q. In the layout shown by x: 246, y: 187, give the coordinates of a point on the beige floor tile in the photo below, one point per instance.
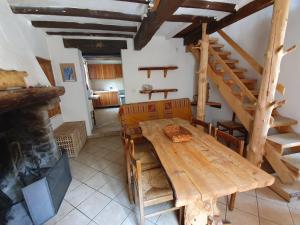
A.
x: 266, y: 222
x: 132, y: 220
x: 114, y: 170
x: 79, y: 194
x: 81, y: 171
x: 168, y: 219
x: 268, y: 194
x: 237, y: 217
x: 93, y: 204
x: 251, y: 193
x: 64, y: 209
x: 295, y: 216
x: 153, y: 209
x: 112, y: 187
x: 112, y: 214
x: 116, y: 157
x: 74, y: 218
x: 74, y: 184
x: 97, y: 181
x: 277, y: 213
x: 246, y: 203
x: 295, y: 204
x: 92, y: 223
x: 122, y: 198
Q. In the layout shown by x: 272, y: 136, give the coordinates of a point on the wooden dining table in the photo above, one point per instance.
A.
x: 201, y: 170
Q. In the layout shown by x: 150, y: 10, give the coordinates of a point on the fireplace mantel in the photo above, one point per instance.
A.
x: 20, y: 98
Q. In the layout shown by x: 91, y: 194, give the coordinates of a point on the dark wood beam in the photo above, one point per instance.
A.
x: 96, y: 47
x: 76, y: 12
x: 91, y: 34
x: 154, y: 20
x: 195, y: 25
x: 242, y: 13
x: 189, y: 18
x: 135, y: 1
x: 211, y: 5
x: 89, y: 26
x: 198, y: 4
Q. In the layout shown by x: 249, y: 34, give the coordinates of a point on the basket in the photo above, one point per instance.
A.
x: 71, y: 136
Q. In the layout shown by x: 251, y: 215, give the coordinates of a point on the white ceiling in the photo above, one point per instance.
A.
x: 168, y: 29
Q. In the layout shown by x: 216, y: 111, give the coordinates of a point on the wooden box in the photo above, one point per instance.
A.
x: 12, y: 79
x: 71, y: 136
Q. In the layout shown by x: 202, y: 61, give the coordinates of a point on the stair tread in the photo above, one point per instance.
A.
x: 281, y: 121
x: 286, y: 140
x: 223, y: 52
x: 217, y: 45
x: 239, y: 70
x: 293, y: 160
x: 231, y: 61
x: 249, y: 81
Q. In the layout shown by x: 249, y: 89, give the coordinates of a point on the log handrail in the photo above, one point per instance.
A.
x: 248, y: 58
x: 233, y: 76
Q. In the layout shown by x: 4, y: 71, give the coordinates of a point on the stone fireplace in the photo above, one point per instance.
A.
x: 28, y: 148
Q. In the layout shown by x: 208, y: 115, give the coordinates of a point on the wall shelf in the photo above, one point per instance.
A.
x: 163, y: 68
x: 165, y: 91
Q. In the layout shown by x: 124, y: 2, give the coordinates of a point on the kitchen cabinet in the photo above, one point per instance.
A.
x: 105, y: 71
x: 106, y: 98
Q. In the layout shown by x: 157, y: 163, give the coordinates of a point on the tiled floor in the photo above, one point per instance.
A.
x: 97, y: 195
x: 107, y: 120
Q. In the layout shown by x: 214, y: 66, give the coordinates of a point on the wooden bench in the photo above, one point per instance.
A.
x: 71, y: 136
x: 132, y: 114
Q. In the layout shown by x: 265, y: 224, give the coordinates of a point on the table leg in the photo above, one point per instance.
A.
x: 197, y: 213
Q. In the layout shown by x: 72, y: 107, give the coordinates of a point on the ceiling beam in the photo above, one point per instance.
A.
x: 195, y: 25
x: 89, y: 26
x: 96, y: 47
x: 198, y: 4
x: 242, y: 13
x: 91, y: 34
x: 136, y: 1
x: 99, y: 14
x: 154, y: 20
x: 189, y: 18
x: 211, y: 5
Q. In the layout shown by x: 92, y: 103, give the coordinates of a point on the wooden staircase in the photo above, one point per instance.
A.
x: 282, y: 150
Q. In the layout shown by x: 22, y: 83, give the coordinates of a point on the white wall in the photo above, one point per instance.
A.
x: 19, y: 44
x: 252, y: 34
x: 99, y: 85
x: 158, y: 52
x: 74, y: 103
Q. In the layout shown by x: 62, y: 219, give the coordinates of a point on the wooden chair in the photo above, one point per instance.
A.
x: 151, y: 187
x: 207, y: 126
x: 232, y: 126
x: 144, y: 153
x: 235, y: 144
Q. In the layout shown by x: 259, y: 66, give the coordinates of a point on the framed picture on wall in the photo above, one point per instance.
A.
x: 68, y: 72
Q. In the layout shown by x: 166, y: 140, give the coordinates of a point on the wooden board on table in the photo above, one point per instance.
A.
x: 202, y: 165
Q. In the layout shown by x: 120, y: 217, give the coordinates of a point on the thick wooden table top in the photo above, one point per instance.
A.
x: 202, y: 169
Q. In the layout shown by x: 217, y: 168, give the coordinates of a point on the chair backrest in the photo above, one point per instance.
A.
x: 134, y: 168
x: 232, y: 142
x: 207, y: 126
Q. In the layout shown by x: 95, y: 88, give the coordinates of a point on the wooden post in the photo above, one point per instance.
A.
x: 202, y: 74
x: 269, y: 81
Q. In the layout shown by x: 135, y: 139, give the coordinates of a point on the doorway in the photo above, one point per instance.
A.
x: 106, y: 82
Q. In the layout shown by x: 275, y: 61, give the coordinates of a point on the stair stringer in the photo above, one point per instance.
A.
x: 236, y: 105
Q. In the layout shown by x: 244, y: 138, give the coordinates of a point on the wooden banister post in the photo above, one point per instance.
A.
x: 269, y: 81
x: 202, y: 74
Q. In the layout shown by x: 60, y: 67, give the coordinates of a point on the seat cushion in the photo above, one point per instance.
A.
x: 156, y: 187
x: 144, y: 153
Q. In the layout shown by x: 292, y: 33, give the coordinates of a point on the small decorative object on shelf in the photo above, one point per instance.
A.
x: 147, y: 87
x: 165, y: 91
x: 12, y: 79
x: 164, y: 68
x: 177, y: 133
